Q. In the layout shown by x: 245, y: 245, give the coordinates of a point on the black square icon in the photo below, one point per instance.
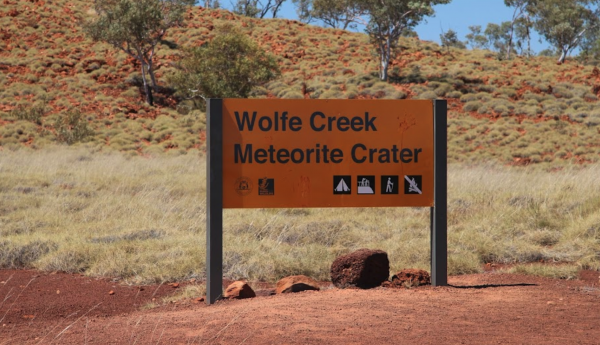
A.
x: 413, y: 184
x: 366, y: 184
x: 266, y: 186
x: 389, y: 184
x: 341, y: 184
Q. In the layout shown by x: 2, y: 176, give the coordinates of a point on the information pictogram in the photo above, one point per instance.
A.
x: 266, y: 186
x: 366, y: 184
x: 341, y: 184
x: 413, y: 184
x: 389, y: 185
x: 243, y: 186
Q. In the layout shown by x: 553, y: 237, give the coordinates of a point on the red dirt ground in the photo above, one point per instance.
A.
x: 489, y: 308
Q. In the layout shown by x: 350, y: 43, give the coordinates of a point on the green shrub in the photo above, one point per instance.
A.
x: 562, y: 92
x: 529, y: 110
x: 13, y: 255
x: 291, y: 94
x: 332, y: 94
x: 33, y: 113
x: 487, y: 88
x: 483, y: 96
x: 230, y: 66
x: 396, y: 95
x: 454, y: 94
x: 427, y: 95
x: 443, y: 90
x: 508, y: 92
x: 72, y: 127
x: 472, y: 106
x: 469, y: 97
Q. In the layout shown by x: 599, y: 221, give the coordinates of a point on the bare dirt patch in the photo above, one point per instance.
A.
x: 490, y: 308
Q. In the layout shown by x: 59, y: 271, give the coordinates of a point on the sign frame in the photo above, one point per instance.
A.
x: 214, y: 199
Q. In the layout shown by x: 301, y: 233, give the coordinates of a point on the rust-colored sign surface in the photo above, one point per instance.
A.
x: 327, y: 153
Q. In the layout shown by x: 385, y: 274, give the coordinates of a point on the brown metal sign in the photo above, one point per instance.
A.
x: 327, y: 153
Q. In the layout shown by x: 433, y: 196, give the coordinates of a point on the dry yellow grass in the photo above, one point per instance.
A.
x: 143, y: 220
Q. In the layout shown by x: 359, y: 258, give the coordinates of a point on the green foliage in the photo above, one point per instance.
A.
x: 257, y: 8
x: 450, y: 39
x: 472, y: 106
x: 563, y: 23
x: 32, y: 113
x: 136, y: 27
x: 342, y: 14
x: 304, y: 10
x: 15, y: 255
x: 389, y: 19
x: 498, y: 36
x: 229, y: 66
x: 72, y: 127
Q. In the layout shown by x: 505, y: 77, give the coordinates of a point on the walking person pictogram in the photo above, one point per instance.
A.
x: 389, y: 184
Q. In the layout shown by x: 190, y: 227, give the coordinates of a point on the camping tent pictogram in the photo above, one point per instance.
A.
x: 342, y: 187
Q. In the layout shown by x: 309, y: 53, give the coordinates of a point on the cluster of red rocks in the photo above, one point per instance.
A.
x: 241, y: 289
x: 364, y: 269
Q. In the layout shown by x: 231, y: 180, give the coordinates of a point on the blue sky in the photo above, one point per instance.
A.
x: 458, y: 15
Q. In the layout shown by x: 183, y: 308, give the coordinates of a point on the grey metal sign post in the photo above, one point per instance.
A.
x: 214, y: 201
x: 439, y: 220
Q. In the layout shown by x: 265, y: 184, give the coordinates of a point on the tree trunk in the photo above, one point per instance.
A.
x: 382, y: 74
x: 147, y: 88
x: 509, y: 48
x: 384, y: 59
x: 386, y: 52
x: 528, y: 44
x: 563, y: 57
x: 152, y: 76
x: 276, y: 7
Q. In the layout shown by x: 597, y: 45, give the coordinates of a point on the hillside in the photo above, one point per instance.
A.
x: 516, y: 112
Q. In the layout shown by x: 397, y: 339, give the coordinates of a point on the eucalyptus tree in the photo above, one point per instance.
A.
x: 476, y: 39
x: 519, y: 23
x: 499, y: 37
x: 450, y: 39
x: 136, y: 27
x: 258, y: 8
x: 389, y: 20
x: 210, y: 3
x: 339, y: 14
x: 304, y: 10
x: 564, y: 24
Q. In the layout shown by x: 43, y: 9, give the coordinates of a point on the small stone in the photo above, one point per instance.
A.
x: 296, y: 284
x: 175, y: 285
x: 239, y: 290
x: 111, y: 292
x: 411, y: 277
